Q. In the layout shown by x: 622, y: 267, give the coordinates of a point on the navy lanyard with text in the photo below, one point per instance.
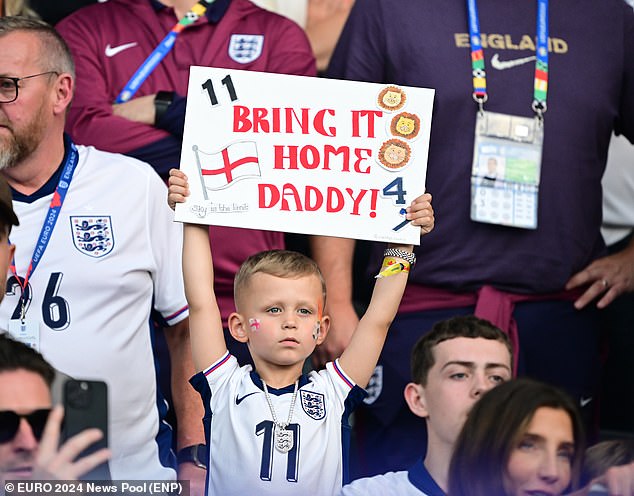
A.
x: 541, y: 63
x: 49, y: 223
x: 159, y: 53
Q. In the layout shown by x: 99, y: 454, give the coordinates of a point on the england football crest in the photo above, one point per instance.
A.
x: 245, y: 48
x: 375, y: 386
x: 92, y: 235
x: 313, y: 404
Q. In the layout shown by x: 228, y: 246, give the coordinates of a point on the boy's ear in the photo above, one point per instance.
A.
x: 415, y: 397
x: 324, y: 327
x: 238, y: 327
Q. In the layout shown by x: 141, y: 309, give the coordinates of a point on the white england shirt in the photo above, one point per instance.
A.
x: 416, y: 481
x: 239, y: 426
x: 113, y: 249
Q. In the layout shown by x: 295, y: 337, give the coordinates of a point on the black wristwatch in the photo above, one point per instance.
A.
x: 162, y: 101
x: 196, y: 454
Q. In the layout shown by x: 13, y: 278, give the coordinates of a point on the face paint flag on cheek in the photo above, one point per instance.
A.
x: 254, y: 324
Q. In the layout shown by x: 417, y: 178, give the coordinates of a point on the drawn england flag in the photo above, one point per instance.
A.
x: 219, y: 170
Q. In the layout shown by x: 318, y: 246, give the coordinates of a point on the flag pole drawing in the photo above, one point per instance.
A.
x: 200, y: 172
x: 219, y: 170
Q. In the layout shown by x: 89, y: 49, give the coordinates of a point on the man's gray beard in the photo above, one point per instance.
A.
x: 18, y: 148
x: 10, y: 155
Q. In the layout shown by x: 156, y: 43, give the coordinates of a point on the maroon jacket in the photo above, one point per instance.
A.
x: 99, y: 30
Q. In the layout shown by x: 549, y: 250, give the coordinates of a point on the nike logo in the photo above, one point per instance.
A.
x: 500, y: 65
x: 112, y: 51
x: 584, y: 401
x: 239, y: 400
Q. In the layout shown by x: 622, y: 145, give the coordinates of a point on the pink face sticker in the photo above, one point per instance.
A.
x: 254, y: 324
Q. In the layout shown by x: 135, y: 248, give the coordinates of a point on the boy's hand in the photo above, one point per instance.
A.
x: 178, y: 188
x: 421, y: 213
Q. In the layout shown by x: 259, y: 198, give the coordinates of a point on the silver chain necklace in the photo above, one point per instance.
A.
x: 284, y: 439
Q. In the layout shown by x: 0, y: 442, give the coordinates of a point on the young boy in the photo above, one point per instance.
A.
x: 273, y: 430
x: 452, y: 367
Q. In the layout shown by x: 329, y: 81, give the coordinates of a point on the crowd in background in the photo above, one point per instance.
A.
x: 112, y: 305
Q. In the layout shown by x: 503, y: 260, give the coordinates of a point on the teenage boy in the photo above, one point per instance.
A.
x: 274, y: 430
x: 452, y: 366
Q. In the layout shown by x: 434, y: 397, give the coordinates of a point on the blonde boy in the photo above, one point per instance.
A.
x: 273, y: 430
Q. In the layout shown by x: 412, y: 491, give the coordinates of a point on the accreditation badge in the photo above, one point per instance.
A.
x: 506, y: 167
x: 25, y: 331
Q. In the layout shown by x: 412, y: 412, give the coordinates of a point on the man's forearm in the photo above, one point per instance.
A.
x: 187, y: 403
x: 335, y: 257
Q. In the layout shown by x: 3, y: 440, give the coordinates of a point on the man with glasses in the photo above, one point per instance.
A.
x: 9, y: 86
x: 97, y: 253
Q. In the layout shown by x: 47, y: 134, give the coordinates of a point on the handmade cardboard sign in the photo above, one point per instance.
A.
x: 304, y: 155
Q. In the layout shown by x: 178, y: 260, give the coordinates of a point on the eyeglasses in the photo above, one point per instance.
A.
x: 9, y: 86
x: 10, y: 423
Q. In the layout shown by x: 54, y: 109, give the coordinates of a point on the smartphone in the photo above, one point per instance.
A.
x: 86, y: 406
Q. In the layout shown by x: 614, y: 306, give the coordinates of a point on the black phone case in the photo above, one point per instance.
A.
x: 86, y: 406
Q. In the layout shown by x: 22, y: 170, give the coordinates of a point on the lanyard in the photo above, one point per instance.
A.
x: 541, y: 62
x: 49, y: 221
x: 159, y: 53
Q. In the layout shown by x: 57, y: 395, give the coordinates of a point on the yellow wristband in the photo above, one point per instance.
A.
x: 391, y: 266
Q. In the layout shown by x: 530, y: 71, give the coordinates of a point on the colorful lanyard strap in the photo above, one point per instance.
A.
x: 159, y: 53
x: 541, y: 62
x: 49, y: 222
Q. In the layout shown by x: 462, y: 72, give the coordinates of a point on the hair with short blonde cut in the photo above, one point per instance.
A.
x: 279, y: 263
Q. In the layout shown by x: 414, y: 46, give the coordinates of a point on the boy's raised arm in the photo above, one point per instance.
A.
x: 205, y: 323
x: 360, y: 357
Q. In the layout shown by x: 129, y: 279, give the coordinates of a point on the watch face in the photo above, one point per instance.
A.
x: 162, y: 101
x: 164, y: 97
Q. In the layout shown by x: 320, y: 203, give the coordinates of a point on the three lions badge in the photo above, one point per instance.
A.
x: 92, y: 236
x: 313, y: 404
x: 245, y: 48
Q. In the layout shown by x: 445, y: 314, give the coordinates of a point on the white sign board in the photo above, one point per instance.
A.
x: 304, y: 155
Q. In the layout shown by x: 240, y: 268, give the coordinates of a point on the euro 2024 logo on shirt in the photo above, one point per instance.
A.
x: 92, y: 235
x: 313, y: 404
x: 245, y: 48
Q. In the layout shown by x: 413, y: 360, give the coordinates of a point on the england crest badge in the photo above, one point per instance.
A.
x: 92, y: 235
x: 313, y: 404
x: 245, y: 48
